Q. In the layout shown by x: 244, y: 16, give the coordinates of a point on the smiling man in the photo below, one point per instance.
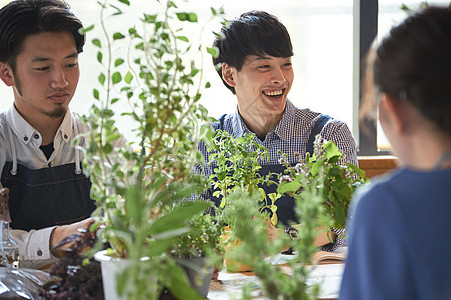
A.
x: 49, y: 194
x: 254, y: 62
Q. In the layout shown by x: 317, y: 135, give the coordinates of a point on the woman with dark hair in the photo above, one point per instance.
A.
x: 399, y: 226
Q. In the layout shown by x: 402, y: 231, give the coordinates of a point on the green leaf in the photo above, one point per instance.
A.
x: 118, y: 62
x: 178, y: 216
x: 334, y: 159
x: 150, y: 18
x: 128, y: 77
x: 182, y: 16
x: 178, y: 284
x: 84, y: 30
x: 356, y: 169
x: 292, y: 186
x: 116, y: 78
x: 113, y: 137
x: 102, y: 78
x: 340, y: 215
x: 96, y: 94
x: 316, y: 167
x: 192, y: 17
x: 332, y: 150
x: 97, y: 43
x: 183, y: 38
x: 214, y: 51
x: 126, y: 2
x: 334, y: 171
x: 107, y: 149
x: 132, y: 31
x: 99, y: 57
x: 133, y: 205
x: 118, y: 36
x: 160, y: 246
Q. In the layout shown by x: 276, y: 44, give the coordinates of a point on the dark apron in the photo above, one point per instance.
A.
x: 47, y: 197
x: 285, y: 204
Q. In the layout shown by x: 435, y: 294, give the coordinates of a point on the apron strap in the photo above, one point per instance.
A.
x: 322, y: 120
x: 13, y: 150
x: 77, y: 152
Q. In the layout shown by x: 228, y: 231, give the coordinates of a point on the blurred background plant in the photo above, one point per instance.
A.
x: 421, y: 6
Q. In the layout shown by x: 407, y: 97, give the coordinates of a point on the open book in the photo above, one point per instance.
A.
x: 324, y: 257
x: 318, y: 258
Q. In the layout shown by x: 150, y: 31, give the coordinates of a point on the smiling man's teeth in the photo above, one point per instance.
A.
x: 274, y: 93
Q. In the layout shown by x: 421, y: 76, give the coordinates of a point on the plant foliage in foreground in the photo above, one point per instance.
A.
x: 137, y: 185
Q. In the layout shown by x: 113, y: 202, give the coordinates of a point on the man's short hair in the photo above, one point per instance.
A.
x: 21, y: 18
x: 253, y: 33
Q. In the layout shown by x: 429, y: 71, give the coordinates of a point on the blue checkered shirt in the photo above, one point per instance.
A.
x: 290, y: 136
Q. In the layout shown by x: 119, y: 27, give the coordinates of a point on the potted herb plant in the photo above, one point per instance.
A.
x: 137, y: 187
x: 199, y: 250
x: 322, y: 189
x: 236, y: 168
x: 338, y: 181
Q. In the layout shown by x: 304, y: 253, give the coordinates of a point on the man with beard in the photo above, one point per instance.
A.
x: 49, y: 194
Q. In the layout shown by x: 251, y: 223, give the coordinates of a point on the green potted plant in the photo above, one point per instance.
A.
x: 137, y: 186
x: 199, y: 250
x: 237, y: 165
x: 322, y: 189
x: 337, y: 181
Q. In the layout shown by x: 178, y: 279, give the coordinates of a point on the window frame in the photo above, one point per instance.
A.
x: 365, y: 16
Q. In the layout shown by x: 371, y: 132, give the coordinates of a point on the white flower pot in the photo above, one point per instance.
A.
x: 110, y: 267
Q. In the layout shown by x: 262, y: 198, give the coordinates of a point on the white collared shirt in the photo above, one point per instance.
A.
x: 34, y: 245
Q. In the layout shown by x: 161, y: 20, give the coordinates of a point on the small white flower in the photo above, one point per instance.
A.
x: 285, y: 178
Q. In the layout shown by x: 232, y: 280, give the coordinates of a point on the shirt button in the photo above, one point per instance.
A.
x: 65, y: 136
x: 25, y: 138
x: 36, y: 136
x: 39, y: 252
x: 49, y: 164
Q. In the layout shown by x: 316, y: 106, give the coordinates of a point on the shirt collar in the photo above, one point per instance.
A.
x: 66, y: 128
x: 26, y: 132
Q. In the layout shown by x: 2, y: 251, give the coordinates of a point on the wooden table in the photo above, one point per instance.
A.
x: 229, y: 285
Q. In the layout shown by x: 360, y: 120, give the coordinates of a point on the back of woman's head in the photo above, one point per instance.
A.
x: 414, y: 64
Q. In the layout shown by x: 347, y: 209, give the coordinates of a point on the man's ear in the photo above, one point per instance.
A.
x: 6, y: 74
x: 228, y: 74
x: 392, y: 110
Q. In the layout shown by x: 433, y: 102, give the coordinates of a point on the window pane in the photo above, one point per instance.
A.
x: 391, y: 14
x: 321, y: 33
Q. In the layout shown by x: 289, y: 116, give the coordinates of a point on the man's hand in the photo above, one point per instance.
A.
x: 60, y: 232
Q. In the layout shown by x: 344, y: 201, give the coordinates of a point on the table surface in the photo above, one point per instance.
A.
x: 229, y: 285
